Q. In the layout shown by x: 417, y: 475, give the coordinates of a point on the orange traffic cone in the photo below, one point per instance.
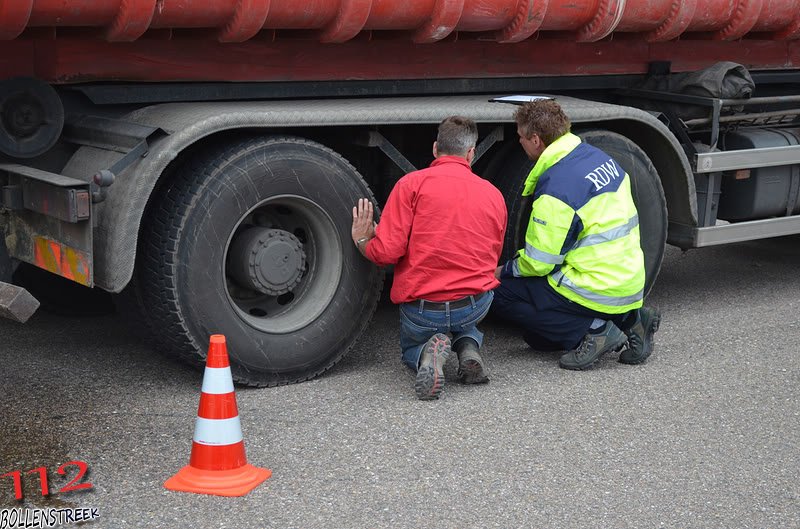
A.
x: 218, y: 464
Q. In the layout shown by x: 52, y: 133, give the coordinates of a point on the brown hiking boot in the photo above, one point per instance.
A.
x: 471, y: 368
x: 430, y: 375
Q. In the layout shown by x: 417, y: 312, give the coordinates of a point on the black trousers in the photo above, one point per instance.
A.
x: 550, y: 322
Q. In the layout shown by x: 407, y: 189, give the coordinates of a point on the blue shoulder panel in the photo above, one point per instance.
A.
x: 580, y: 176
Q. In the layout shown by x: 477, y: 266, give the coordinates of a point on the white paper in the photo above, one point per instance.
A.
x: 519, y: 98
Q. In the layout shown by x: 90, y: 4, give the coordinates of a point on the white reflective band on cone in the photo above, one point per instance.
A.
x: 217, y: 381
x: 217, y: 431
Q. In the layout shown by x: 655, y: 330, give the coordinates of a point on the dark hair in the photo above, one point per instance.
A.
x: 457, y: 135
x: 544, y: 117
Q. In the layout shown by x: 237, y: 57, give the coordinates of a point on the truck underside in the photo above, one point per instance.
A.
x: 205, y: 172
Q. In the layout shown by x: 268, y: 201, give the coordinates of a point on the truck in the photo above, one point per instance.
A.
x: 199, y: 158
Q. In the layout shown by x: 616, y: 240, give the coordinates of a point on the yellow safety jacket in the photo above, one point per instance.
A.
x: 583, y: 233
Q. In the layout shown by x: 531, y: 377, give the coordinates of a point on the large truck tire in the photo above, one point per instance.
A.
x: 647, y: 194
x: 253, y: 242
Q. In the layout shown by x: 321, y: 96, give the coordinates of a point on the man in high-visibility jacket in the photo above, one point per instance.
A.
x: 578, y: 283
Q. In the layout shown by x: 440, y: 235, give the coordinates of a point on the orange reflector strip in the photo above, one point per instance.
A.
x: 62, y: 260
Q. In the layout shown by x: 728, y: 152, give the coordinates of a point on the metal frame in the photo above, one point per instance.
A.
x: 52, y: 213
x: 50, y: 222
x: 691, y: 237
x: 489, y: 140
x: 655, y: 95
x: 373, y: 138
x: 714, y: 163
x: 113, y: 135
x: 715, y: 104
x: 50, y: 194
x: 166, y: 92
x: 710, y: 162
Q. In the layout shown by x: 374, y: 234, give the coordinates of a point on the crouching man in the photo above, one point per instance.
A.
x: 578, y: 283
x: 442, y: 228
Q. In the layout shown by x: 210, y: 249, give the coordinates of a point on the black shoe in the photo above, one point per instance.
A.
x: 430, y: 375
x: 593, y: 347
x: 471, y: 368
x: 640, y: 336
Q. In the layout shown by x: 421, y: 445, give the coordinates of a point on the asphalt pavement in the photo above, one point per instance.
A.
x: 703, y: 435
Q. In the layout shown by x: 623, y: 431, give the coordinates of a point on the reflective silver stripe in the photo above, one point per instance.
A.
x: 515, y: 268
x: 217, y: 381
x: 217, y: 432
x: 544, y: 257
x: 612, y: 301
x: 610, y: 235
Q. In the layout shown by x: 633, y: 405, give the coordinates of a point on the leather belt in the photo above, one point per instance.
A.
x: 443, y: 305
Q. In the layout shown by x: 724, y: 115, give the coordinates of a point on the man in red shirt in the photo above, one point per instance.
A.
x: 442, y: 228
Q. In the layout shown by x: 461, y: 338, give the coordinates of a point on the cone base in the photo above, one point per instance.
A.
x: 236, y: 482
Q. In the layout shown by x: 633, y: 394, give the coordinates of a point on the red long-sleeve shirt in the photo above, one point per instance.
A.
x: 443, y: 228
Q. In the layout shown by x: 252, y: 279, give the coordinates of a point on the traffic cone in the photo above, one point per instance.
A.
x: 218, y: 464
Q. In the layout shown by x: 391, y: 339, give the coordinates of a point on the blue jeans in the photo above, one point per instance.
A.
x: 418, y: 324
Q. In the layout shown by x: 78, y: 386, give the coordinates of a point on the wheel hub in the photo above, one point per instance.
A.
x: 270, y: 261
x: 22, y: 116
x: 31, y: 117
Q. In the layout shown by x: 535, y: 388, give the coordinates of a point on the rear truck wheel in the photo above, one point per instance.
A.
x: 253, y: 241
x: 647, y: 194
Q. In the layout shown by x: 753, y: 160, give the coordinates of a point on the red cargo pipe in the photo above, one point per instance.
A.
x: 424, y: 20
x: 14, y: 16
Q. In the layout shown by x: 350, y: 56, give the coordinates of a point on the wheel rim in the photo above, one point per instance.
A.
x: 283, y: 264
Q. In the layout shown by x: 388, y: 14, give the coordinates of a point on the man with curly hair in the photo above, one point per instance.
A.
x: 578, y: 283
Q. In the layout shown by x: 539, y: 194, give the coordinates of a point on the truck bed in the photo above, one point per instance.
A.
x: 213, y: 40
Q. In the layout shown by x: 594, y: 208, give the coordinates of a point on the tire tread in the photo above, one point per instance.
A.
x: 159, y: 241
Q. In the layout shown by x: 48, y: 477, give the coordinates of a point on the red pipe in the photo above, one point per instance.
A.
x: 14, y: 15
x: 131, y: 21
x: 246, y: 22
x: 349, y: 21
x: 680, y: 16
x: 423, y: 21
x: 527, y: 21
x: 744, y: 18
x: 441, y: 22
